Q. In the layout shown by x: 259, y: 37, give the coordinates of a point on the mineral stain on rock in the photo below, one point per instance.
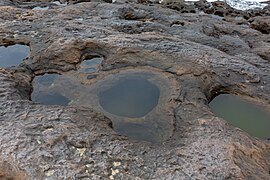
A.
x: 131, y: 97
x: 44, y: 92
x: 245, y: 115
x: 13, y: 55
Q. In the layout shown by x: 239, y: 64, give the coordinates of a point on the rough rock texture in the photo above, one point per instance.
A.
x: 261, y: 24
x: 206, y: 54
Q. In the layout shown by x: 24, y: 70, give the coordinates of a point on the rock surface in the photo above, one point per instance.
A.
x: 206, y: 54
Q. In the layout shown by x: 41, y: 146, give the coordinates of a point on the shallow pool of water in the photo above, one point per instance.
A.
x: 45, y: 91
x: 138, y: 131
x: 242, y: 114
x: 54, y: 98
x: 46, y: 79
x: 130, y: 97
x: 90, y: 65
x: 13, y: 55
x: 135, y: 101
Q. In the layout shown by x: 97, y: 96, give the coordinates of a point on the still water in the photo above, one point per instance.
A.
x: 138, y: 131
x: 242, y: 114
x: 134, y: 101
x: 136, y: 104
x: 90, y: 65
x: 45, y: 91
x: 51, y: 99
x: 13, y: 55
x: 130, y: 97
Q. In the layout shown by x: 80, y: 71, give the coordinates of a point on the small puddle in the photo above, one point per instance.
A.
x: 138, y: 131
x: 90, y: 65
x: 51, y: 99
x: 242, y: 114
x: 13, y: 55
x: 45, y: 91
x: 130, y: 97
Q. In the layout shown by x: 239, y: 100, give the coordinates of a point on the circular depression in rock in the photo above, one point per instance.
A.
x: 242, y: 114
x: 131, y: 97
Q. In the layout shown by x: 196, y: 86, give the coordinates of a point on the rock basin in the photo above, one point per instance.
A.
x: 13, y: 55
x: 45, y: 93
x: 243, y: 114
x: 138, y: 97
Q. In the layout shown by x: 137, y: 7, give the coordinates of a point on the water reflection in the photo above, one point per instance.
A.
x: 53, y: 98
x: 13, y: 55
x: 130, y: 97
x: 45, y: 92
x: 90, y: 65
x: 138, y: 131
x: 245, y: 115
x: 136, y: 102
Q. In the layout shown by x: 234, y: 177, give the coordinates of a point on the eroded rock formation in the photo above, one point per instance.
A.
x: 206, y: 54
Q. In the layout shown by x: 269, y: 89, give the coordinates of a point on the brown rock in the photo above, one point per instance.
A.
x: 200, y: 54
x: 261, y: 23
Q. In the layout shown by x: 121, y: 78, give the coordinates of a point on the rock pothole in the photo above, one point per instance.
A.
x: 131, y: 97
x: 13, y: 55
x: 135, y: 98
x: 45, y: 92
x: 91, y: 65
x: 138, y: 102
x: 243, y: 114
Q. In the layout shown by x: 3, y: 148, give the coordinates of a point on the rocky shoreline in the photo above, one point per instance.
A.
x: 207, y: 50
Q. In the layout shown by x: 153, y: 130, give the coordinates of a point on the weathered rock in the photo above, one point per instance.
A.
x: 263, y: 50
x: 203, y: 53
x: 261, y: 24
x: 8, y: 170
x: 218, y: 8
